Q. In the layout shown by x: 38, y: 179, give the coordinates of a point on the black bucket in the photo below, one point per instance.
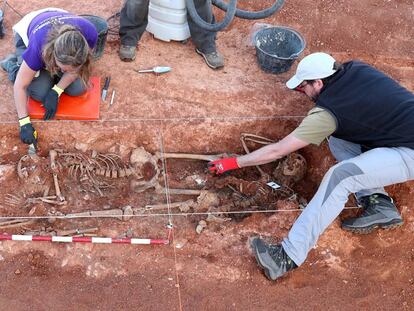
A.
x: 277, y: 48
x: 101, y: 26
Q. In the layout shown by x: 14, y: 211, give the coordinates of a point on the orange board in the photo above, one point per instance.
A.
x: 84, y: 107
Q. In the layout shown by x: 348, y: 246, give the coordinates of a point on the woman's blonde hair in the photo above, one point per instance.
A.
x: 66, y: 44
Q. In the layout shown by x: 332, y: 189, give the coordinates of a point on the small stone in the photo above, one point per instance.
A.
x: 199, y: 229
x: 128, y: 211
x: 129, y: 233
x: 6, y: 170
x: 180, y: 243
x: 17, y: 272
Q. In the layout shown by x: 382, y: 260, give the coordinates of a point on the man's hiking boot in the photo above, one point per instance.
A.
x: 271, y: 258
x: 127, y: 53
x: 379, y: 212
x: 9, y: 65
x: 214, y: 59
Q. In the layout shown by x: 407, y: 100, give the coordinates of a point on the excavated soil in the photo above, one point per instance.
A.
x: 194, y: 109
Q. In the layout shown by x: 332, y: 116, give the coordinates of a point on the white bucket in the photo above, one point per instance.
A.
x: 167, y: 20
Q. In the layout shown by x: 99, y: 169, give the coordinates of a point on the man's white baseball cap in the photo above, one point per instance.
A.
x: 314, y: 66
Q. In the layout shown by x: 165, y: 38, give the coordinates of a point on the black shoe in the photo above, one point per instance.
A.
x: 271, y: 258
x: 379, y: 212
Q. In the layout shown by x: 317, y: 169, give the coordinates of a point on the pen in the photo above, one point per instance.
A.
x: 112, y: 98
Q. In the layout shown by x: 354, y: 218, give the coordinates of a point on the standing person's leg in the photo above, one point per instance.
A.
x: 133, y: 22
x: 204, y: 40
x: 375, y: 168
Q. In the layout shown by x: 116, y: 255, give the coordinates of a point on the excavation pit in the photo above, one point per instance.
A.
x: 193, y: 109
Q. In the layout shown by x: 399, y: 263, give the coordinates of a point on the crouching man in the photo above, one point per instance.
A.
x: 368, y: 119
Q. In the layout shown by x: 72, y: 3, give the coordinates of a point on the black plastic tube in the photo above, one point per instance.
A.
x: 230, y: 13
x: 251, y: 15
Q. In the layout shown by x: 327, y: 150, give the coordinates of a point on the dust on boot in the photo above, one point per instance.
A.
x: 379, y: 212
x: 127, y: 53
x: 272, y: 258
x: 213, y: 59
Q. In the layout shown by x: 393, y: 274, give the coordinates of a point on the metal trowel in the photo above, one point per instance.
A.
x: 32, y: 150
x: 157, y: 70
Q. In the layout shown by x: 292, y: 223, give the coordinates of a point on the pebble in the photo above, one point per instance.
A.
x: 17, y: 272
x: 128, y: 211
x: 180, y: 244
x: 199, y: 229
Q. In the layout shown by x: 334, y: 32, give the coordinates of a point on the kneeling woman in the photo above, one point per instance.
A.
x: 53, y: 55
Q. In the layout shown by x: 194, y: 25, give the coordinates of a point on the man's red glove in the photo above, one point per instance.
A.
x: 223, y: 165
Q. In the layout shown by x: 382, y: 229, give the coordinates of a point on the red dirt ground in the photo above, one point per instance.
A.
x: 198, y: 110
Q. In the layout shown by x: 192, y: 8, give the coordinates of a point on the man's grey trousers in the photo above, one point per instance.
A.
x: 359, y: 173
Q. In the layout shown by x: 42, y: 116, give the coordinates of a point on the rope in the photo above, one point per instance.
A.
x: 113, y: 21
x: 177, y: 276
x: 170, y: 225
x: 223, y: 119
x: 162, y: 214
x: 6, y: 3
x: 167, y: 189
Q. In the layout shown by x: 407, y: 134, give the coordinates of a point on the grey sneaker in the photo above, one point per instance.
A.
x: 9, y: 65
x: 271, y: 258
x: 214, y: 59
x: 127, y: 53
x: 379, y: 212
x: 8, y: 61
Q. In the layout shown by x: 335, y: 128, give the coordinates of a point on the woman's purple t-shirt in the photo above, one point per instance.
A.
x: 39, y: 28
